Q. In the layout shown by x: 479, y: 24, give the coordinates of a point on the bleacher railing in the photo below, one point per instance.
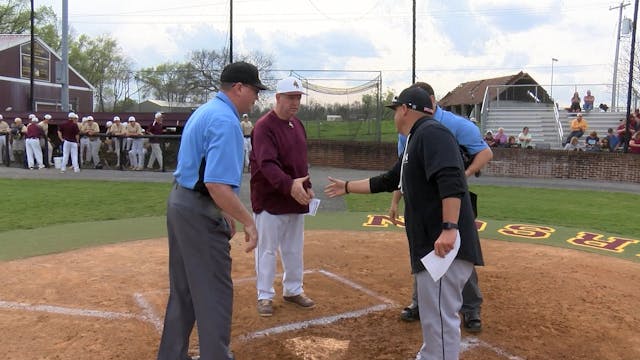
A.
x: 556, y: 116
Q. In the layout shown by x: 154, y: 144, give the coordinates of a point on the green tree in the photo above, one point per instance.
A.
x: 173, y: 82
x: 15, y: 18
x: 102, y: 62
x: 209, y: 64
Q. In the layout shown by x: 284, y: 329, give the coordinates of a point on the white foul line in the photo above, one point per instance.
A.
x: 66, y: 311
x: 147, y: 312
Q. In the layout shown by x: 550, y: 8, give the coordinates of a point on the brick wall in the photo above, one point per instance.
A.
x: 506, y: 162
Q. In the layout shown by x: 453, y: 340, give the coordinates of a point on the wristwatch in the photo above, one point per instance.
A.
x: 449, y: 225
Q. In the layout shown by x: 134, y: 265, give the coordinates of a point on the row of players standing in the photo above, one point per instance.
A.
x: 127, y: 137
x: 81, y: 139
x: 204, y: 200
x: 26, y: 142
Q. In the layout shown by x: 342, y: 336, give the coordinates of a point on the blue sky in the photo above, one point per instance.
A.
x: 457, y: 40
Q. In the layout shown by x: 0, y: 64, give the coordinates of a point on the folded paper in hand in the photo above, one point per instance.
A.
x: 313, y: 206
x: 436, y: 265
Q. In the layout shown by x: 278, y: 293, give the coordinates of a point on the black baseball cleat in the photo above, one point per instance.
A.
x: 472, y: 323
x: 410, y: 313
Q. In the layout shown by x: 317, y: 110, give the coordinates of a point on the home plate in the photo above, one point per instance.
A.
x: 319, y: 348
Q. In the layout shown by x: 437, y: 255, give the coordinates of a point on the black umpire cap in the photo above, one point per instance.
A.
x: 414, y: 98
x: 242, y: 72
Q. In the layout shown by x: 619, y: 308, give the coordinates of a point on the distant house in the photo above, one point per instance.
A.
x: 15, y: 74
x: 164, y: 106
x: 466, y: 99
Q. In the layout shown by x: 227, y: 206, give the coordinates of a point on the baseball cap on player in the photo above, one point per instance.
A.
x: 290, y: 85
x: 72, y: 115
x: 47, y: 117
x: 116, y: 118
x: 242, y: 72
x: 89, y: 118
x: 414, y: 98
x: 34, y: 119
x: 109, y: 123
x: 132, y: 118
x: 158, y: 115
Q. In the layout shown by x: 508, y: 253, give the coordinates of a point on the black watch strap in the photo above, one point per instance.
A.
x: 449, y: 225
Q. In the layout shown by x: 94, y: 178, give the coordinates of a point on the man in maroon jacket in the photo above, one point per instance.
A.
x: 280, y: 196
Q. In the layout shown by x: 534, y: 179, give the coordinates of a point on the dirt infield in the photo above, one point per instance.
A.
x: 108, y: 302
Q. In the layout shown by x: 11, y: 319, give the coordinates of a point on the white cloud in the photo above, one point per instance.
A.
x: 457, y: 40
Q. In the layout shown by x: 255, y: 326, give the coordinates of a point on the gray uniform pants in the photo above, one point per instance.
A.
x: 200, y: 286
x: 439, y: 303
x: 471, y: 296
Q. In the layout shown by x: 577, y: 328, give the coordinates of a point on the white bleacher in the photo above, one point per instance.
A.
x: 514, y: 115
x: 598, y: 121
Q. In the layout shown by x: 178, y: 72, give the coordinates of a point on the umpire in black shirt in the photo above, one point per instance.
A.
x: 437, y: 207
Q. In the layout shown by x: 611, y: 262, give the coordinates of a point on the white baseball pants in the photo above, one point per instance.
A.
x: 284, y: 234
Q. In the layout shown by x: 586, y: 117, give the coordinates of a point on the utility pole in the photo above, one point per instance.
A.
x: 32, y: 99
x: 230, y: 31
x: 614, y: 84
x: 64, y: 48
x: 633, y: 47
x: 413, y: 57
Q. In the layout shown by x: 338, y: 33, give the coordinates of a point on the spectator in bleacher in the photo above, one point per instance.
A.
x: 605, y: 145
x: 488, y: 138
x: 524, y: 139
x: 573, y: 144
x: 512, y: 143
x: 634, y: 143
x: 500, y: 138
x: 588, y: 101
x: 575, y: 103
x: 592, y: 142
x: 603, y: 107
x: 578, y: 128
x: 612, y: 139
x: 622, y: 129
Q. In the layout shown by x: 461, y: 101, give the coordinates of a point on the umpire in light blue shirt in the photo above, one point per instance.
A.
x: 201, y: 213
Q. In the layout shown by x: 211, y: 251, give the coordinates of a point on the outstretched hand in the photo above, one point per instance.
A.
x: 335, y: 187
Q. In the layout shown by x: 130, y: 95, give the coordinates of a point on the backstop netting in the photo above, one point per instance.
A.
x: 340, y: 105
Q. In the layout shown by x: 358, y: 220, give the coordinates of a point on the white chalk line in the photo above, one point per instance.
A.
x: 149, y: 316
x: 470, y: 342
x: 319, y: 321
x: 147, y: 312
x: 110, y: 315
x: 328, y: 319
x: 356, y: 286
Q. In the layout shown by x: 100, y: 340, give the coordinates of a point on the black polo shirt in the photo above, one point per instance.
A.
x: 433, y: 171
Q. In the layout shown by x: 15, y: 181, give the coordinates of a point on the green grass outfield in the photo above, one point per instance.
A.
x: 51, y: 216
